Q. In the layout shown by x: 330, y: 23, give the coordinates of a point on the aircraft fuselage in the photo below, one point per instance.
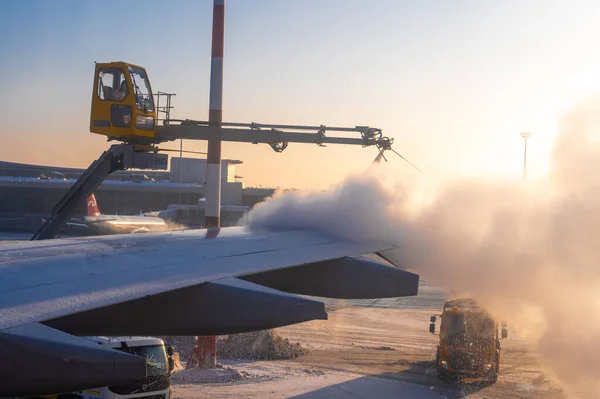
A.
x: 111, y: 224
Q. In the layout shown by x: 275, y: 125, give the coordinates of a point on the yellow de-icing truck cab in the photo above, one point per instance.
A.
x: 122, y: 103
x: 469, y: 345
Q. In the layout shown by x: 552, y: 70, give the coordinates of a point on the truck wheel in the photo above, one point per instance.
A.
x: 440, y: 374
x: 448, y: 377
x: 498, y: 364
x: 494, y: 376
x: 438, y: 370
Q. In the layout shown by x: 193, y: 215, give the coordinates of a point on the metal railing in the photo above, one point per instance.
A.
x: 164, y: 110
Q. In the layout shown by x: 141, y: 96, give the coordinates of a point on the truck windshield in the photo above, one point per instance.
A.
x: 472, y: 330
x: 480, y: 331
x: 452, y: 329
x: 156, y: 358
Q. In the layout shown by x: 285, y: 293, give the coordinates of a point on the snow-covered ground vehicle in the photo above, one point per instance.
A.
x: 469, y: 343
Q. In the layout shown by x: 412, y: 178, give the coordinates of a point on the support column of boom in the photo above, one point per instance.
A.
x: 212, y: 191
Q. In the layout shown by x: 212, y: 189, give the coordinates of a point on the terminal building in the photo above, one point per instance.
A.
x: 28, y: 193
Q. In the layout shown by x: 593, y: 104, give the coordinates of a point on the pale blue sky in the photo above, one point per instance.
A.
x: 454, y: 82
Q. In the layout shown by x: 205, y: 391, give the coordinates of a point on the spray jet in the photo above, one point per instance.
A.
x: 385, y: 144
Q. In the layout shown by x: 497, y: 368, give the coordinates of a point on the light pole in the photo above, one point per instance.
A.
x: 525, y: 136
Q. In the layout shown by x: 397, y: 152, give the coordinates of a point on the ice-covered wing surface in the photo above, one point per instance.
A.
x: 43, y: 280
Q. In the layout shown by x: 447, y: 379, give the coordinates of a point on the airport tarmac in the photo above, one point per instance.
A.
x: 373, y: 349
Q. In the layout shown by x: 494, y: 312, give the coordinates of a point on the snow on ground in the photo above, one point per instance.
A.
x: 370, y: 349
x: 284, y: 380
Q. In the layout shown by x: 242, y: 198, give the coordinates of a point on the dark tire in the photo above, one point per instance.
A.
x: 498, y: 363
x: 450, y: 378
x: 438, y: 370
x: 494, y: 377
x: 443, y: 375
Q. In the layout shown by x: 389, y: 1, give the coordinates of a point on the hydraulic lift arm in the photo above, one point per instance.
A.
x: 277, y: 136
x: 117, y: 157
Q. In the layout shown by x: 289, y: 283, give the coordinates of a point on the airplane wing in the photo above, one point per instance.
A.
x: 195, y: 282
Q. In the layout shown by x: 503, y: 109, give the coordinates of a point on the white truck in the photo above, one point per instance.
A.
x: 159, y: 365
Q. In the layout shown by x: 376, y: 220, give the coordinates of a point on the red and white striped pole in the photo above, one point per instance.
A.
x: 207, y: 346
x: 212, y: 189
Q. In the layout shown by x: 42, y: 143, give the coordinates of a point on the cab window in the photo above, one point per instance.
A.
x: 141, y: 89
x: 112, y: 84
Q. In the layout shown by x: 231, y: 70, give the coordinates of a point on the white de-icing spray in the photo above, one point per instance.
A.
x: 528, y: 252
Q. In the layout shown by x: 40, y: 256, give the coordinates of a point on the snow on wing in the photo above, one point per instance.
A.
x: 43, y: 280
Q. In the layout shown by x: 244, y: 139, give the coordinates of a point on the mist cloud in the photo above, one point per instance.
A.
x: 529, y: 252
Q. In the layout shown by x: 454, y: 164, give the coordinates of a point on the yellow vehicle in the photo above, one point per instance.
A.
x: 122, y: 102
x: 469, y: 345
